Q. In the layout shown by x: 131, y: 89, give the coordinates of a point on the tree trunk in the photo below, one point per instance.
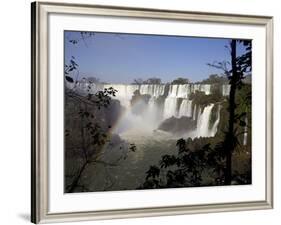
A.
x: 229, y: 143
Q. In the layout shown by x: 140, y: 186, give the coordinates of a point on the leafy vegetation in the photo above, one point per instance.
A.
x: 93, y: 80
x: 152, y: 80
x: 212, y: 161
x: 181, y: 80
x: 201, y: 99
x: 220, y: 160
x: 88, y: 122
x: 215, y: 79
x: 198, y: 162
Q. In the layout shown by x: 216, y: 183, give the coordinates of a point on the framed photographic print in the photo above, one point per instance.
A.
x: 147, y: 112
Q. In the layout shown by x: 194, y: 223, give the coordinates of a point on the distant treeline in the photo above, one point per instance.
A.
x: 212, y: 79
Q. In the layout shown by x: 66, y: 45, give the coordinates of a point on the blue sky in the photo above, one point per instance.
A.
x: 120, y: 58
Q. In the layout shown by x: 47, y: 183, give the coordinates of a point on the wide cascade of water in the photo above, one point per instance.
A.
x: 152, y: 89
x: 176, y: 104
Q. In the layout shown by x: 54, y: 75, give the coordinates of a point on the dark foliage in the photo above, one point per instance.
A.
x: 199, y: 98
x: 152, y: 80
x: 210, y: 162
x: 181, y: 80
x: 88, y: 129
x: 215, y: 79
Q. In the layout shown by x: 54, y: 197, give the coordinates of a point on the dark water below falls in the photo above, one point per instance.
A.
x: 138, y: 124
x: 129, y: 172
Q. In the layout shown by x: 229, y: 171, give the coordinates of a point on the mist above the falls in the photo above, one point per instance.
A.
x: 147, y: 107
x: 152, y: 109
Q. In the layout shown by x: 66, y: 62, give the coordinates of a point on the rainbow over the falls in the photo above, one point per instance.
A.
x: 175, y: 103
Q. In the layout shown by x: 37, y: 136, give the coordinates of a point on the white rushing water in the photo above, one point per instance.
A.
x: 194, y: 112
x: 124, y: 92
x: 185, y: 108
x: 155, y: 90
x: 170, y: 107
x: 203, y: 122
x: 152, y: 89
x: 225, y: 89
x: 176, y: 104
x: 215, y: 126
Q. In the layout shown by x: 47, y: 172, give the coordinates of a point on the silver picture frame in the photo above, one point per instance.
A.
x: 40, y: 102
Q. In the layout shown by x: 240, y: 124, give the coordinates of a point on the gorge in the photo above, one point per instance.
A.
x: 149, y: 111
x: 152, y: 117
x: 154, y: 103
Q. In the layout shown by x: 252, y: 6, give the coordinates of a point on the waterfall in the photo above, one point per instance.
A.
x: 199, y: 113
x: 173, y: 91
x: 124, y: 92
x: 206, y: 88
x: 154, y: 112
x: 170, y: 107
x: 194, y: 88
x: 154, y: 90
x: 170, y: 104
x: 202, y: 129
x: 225, y: 89
x: 194, y: 113
x: 185, y: 108
x: 183, y: 90
x: 215, y: 126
